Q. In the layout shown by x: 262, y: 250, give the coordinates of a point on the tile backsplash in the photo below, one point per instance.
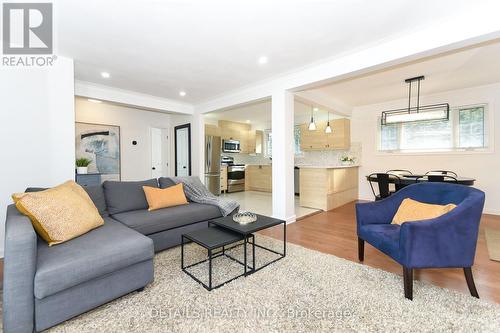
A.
x: 315, y: 158
x: 328, y: 157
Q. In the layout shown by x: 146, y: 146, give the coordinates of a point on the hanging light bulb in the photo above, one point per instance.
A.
x: 312, y: 124
x: 328, y: 128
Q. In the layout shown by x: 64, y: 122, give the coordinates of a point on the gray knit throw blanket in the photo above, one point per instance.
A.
x: 197, y: 192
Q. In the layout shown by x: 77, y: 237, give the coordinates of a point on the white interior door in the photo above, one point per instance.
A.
x: 182, y: 151
x: 159, y: 152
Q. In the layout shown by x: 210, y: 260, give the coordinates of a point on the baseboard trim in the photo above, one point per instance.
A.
x: 491, y: 211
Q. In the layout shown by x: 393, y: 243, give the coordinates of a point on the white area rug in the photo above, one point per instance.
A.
x: 307, y: 291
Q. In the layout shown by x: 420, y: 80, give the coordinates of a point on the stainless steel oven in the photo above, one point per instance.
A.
x: 236, y: 178
x: 231, y: 146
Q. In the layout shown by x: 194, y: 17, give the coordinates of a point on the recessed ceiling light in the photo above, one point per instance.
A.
x: 182, y: 93
x: 105, y: 75
x: 248, y: 121
x: 263, y: 60
x: 315, y: 109
x: 94, y: 100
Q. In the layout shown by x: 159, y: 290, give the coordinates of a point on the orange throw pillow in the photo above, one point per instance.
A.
x: 412, y: 210
x: 167, y: 197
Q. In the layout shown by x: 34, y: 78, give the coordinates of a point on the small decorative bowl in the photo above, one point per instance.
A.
x: 244, y: 217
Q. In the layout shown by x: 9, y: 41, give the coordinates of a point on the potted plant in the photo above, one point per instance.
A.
x: 82, y: 165
x: 347, y: 160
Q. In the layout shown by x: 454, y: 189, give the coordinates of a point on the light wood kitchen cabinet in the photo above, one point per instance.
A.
x: 328, y: 188
x: 313, y: 140
x: 340, y: 138
x: 212, y: 130
x: 251, y: 144
x: 223, y: 179
x: 259, y: 142
x: 231, y: 130
x: 259, y: 178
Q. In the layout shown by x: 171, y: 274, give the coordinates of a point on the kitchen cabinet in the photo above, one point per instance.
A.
x: 212, y: 130
x: 340, y: 138
x: 223, y: 179
x: 259, y: 142
x: 251, y: 144
x: 328, y: 187
x: 259, y: 178
x: 231, y: 130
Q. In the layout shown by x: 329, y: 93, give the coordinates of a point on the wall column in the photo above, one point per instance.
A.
x: 198, y: 145
x: 283, y: 155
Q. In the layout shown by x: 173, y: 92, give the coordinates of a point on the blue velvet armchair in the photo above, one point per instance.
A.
x: 448, y: 241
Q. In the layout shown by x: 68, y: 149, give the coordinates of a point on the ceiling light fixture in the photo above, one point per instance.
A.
x: 94, y: 100
x: 416, y: 113
x: 312, y: 124
x: 263, y: 60
x: 105, y: 75
x: 247, y: 121
x: 328, y: 128
x: 182, y: 93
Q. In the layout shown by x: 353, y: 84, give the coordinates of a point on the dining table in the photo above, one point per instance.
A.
x: 405, y: 180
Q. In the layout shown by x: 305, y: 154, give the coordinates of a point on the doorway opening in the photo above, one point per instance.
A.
x: 159, y: 152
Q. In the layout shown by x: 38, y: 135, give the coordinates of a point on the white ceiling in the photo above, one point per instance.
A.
x: 208, y: 48
x: 468, y: 68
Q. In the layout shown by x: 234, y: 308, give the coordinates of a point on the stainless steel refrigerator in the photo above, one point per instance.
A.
x: 212, y: 163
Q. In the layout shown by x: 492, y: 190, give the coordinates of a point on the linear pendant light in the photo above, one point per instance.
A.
x: 328, y: 128
x: 312, y: 124
x: 418, y: 112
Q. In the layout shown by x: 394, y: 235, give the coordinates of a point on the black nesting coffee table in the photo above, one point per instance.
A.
x: 223, y: 232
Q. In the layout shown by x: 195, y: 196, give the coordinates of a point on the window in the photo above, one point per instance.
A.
x: 296, y: 136
x: 269, y: 141
x: 466, y: 129
x: 471, y: 127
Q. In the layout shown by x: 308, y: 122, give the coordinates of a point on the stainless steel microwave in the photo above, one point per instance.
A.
x: 231, y: 146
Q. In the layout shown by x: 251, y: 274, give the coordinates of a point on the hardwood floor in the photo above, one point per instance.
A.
x: 334, y: 232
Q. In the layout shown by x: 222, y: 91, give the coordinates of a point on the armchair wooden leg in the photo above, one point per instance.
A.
x: 361, y: 249
x: 408, y: 282
x: 470, y: 281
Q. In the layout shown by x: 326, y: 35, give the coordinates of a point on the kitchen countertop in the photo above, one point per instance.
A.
x: 327, y: 166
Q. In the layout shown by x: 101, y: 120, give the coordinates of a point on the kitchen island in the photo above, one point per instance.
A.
x: 328, y: 187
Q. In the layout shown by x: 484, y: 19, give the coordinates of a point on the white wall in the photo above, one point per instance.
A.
x: 135, y: 124
x: 37, y: 129
x: 482, y: 166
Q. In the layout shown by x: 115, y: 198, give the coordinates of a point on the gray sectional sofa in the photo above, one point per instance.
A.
x: 44, y: 286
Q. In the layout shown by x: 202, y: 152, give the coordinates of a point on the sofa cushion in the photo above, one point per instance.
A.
x: 97, y: 253
x: 96, y: 193
x: 150, y: 222
x: 60, y: 213
x: 165, y: 197
x: 126, y: 196
x: 165, y: 182
x: 412, y: 210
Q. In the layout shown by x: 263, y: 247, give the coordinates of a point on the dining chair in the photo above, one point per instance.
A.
x: 383, y: 181
x: 442, y: 172
x: 401, y: 172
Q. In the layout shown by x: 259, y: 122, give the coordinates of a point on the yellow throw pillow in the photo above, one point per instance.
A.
x: 412, y: 210
x: 60, y: 213
x: 162, y: 198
